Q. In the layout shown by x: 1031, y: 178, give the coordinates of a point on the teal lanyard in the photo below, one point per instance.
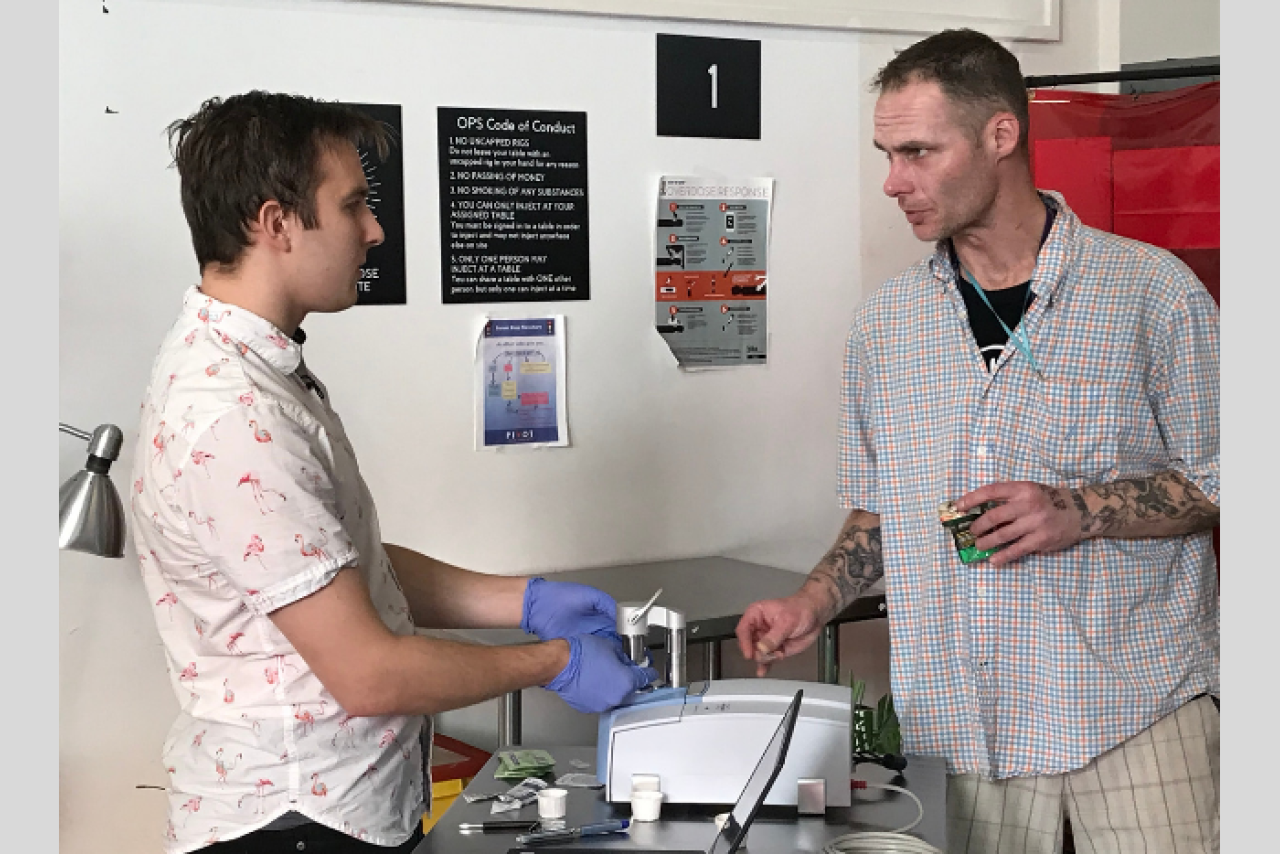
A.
x: 1023, y: 341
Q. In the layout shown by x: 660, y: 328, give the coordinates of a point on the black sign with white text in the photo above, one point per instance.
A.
x: 513, y: 205
x: 708, y: 87
x: 382, y: 276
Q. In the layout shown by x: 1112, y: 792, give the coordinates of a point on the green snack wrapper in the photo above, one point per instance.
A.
x: 958, y: 524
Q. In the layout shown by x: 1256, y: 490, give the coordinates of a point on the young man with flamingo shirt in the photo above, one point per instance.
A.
x: 286, y: 620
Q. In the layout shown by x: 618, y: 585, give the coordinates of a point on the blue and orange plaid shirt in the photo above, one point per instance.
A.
x: 1042, y: 665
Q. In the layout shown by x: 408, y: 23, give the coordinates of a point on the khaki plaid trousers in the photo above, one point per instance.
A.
x: 1156, y: 793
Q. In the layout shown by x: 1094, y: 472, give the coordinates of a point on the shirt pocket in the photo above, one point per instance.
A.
x: 1077, y: 432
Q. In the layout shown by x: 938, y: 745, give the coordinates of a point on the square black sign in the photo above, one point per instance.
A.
x: 708, y: 87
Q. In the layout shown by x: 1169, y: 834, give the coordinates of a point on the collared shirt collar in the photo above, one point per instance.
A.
x: 1051, y: 262
x: 248, y: 329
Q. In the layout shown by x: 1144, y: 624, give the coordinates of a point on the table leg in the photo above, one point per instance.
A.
x: 829, y: 654
x: 509, y: 720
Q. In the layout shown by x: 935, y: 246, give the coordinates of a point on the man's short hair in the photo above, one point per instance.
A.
x: 979, y: 76
x: 236, y: 154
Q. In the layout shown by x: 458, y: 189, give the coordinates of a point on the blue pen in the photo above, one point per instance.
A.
x: 569, y: 833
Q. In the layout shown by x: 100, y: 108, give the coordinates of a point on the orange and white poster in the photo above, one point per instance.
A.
x: 711, y: 269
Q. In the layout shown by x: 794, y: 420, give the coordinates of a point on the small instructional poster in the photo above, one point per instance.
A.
x: 520, y: 373
x: 711, y: 269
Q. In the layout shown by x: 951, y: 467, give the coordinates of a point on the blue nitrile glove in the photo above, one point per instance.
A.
x: 562, y: 609
x: 599, y: 675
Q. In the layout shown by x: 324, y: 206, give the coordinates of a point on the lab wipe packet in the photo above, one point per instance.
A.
x: 958, y: 524
x: 525, y: 793
x: 580, y: 781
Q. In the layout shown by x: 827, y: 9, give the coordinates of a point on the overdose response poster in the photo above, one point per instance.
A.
x: 520, y: 373
x: 711, y: 269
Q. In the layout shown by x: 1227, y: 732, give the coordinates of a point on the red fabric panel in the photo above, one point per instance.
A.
x: 1168, y: 196
x: 1080, y: 169
x: 1185, y: 116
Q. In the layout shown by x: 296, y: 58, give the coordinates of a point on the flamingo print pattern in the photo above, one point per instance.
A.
x: 259, y: 434
x: 206, y: 522
x: 221, y: 768
x: 262, y: 496
x: 310, y: 550
x: 254, y: 550
x: 201, y: 458
x: 259, y: 526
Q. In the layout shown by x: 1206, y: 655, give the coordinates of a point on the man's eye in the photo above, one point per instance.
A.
x: 917, y: 153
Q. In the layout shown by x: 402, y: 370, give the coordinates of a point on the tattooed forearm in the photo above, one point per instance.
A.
x: 1164, y: 505
x: 853, y: 564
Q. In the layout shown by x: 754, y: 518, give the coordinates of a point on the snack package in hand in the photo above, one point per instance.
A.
x: 958, y: 524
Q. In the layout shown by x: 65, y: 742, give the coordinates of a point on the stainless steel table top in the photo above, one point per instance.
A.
x: 693, y: 828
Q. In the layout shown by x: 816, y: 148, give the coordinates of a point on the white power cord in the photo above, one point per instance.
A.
x: 885, y: 842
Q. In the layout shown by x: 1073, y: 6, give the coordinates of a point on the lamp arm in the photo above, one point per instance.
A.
x: 79, y: 434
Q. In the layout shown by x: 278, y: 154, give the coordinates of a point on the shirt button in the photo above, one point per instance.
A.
x: 302, y: 846
x: 981, y: 450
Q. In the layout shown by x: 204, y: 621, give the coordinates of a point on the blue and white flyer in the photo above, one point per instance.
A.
x: 520, y: 370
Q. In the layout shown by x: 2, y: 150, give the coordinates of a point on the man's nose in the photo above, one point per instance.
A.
x: 896, y: 184
x: 376, y: 234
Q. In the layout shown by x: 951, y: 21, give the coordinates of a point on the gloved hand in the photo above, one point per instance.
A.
x: 562, y: 609
x: 599, y: 675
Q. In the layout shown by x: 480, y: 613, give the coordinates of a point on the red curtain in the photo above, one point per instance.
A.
x: 1142, y: 166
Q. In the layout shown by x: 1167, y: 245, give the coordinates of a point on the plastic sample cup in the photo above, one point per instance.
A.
x: 646, y: 783
x: 646, y: 806
x: 551, y: 803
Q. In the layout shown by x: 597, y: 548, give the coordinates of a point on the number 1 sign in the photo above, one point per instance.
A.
x: 708, y: 87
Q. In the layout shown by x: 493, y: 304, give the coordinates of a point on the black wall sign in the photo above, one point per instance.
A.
x: 708, y: 87
x: 513, y: 205
x: 382, y: 278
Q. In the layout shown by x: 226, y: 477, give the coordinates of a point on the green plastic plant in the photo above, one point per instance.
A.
x: 873, y: 730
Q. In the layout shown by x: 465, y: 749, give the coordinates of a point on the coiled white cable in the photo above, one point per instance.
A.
x: 886, y: 842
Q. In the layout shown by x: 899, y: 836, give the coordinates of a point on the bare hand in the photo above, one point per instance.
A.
x: 1031, y: 519
x: 777, y: 628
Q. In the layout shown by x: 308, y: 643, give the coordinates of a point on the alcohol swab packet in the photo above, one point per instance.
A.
x: 524, y: 793
x: 581, y: 781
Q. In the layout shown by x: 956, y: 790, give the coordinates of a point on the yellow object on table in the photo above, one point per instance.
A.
x: 453, y: 765
x: 443, y: 794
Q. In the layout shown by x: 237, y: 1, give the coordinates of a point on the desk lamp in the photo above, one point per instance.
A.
x: 90, y: 516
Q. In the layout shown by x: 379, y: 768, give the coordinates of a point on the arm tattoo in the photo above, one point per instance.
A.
x: 1166, y: 504
x: 1054, y: 496
x: 853, y: 564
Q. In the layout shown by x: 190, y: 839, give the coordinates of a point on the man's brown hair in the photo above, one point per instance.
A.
x: 979, y: 76
x: 234, y: 155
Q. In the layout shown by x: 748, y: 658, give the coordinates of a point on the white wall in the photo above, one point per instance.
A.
x: 1153, y: 30
x: 663, y: 464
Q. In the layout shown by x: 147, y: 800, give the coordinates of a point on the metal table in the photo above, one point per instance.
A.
x: 711, y: 591
x: 692, y: 827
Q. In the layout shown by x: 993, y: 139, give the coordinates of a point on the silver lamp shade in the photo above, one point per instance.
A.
x: 90, y: 515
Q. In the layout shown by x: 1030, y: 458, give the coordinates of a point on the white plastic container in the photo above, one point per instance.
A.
x: 646, y: 806
x: 551, y: 803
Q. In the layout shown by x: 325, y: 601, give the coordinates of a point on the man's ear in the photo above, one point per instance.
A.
x: 1003, y: 130
x: 272, y: 227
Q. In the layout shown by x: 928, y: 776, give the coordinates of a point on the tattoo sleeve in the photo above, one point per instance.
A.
x: 853, y: 564
x: 1163, y: 505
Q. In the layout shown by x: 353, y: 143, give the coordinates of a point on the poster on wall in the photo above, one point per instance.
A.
x: 520, y: 388
x: 711, y: 269
x: 382, y: 276
x: 513, y: 205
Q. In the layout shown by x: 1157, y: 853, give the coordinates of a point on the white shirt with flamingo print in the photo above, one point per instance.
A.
x: 246, y: 496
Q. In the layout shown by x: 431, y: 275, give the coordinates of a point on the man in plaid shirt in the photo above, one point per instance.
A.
x: 1066, y: 381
